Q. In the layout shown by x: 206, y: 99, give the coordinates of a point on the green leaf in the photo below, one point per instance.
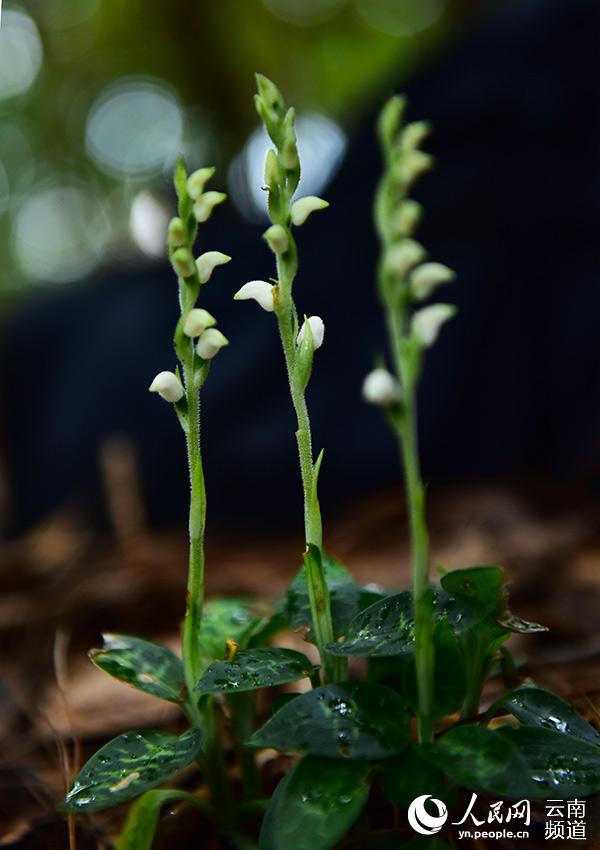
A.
x: 384, y: 628
x: 449, y: 684
x: 410, y: 775
x: 142, y: 818
x: 348, y: 720
x: 560, y: 765
x: 483, y: 586
x: 482, y: 760
x: 538, y: 707
x: 129, y: 765
x: 345, y: 595
x: 315, y: 804
x: 147, y: 666
x: 479, y: 592
x: 255, y: 668
x: 223, y: 620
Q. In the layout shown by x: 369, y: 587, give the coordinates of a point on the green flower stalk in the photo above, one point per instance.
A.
x: 405, y: 280
x: 197, y: 341
x: 299, y: 342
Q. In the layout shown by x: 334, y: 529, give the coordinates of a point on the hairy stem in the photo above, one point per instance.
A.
x: 406, y: 429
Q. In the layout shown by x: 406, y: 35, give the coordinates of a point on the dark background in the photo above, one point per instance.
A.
x: 510, y: 391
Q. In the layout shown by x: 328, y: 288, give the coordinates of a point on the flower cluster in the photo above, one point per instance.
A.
x: 197, y: 340
x: 407, y: 278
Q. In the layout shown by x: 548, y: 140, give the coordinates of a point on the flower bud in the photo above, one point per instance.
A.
x: 303, y: 207
x: 414, y: 134
x: 177, y: 234
x: 210, y: 343
x: 183, y: 262
x: 257, y: 290
x: 207, y: 262
x: 272, y: 170
x: 408, y: 217
x: 390, y: 119
x: 402, y: 256
x: 197, y: 321
x: 381, y: 387
x: 269, y: 92
x: 276, y: 238
x: 168, y: 386
x: 413, y: 164
x: 205, y: 204
x: 426, y: 278
x: 317, y: 327
x: 289, y: 154
x: 305, y: 355
x: 426, y: 323
x: 197, y: 181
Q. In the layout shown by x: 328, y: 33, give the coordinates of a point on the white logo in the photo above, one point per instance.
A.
x: 420, y: 819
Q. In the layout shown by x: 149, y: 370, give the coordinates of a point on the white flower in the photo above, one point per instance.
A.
x: 402, y: 256
x: 197, y: 321
x: 407, y: 217
x: 257, y: 290
x: 414, y: 163
x: 303, y: 207
x: 197, y: 181
x: 210, y: 343
x: 414, y: 134
x: 206, y: 203
x: 168, y: 386
x: 207, y: 262
x: 426, y: 323
x: 317, y: 328
x: 276, y: 238
x: 183, y: 262
x: 381, y: 387
x: 178, y: 234
x: 426, y: 278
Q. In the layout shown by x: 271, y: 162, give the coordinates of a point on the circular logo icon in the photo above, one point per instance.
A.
x: 420, y: 819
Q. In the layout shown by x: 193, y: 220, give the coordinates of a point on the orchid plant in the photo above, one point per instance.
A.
x: 407, y: 721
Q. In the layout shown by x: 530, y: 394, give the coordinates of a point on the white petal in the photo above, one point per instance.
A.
x: 402, y: 256
x: 197, y: 181
x: 381, y: 387
x: 303, y: 207
x: 205, y: 204
x: 210, y: 343
x: 168, y: 386
x: 427, y: 277
x: 207, y: 262
x: 257, y: 290
x: 426, y: 323
x: 197, y: 321
x: 317, y: 327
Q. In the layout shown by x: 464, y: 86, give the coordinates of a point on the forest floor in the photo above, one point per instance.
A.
x: 62, y: 586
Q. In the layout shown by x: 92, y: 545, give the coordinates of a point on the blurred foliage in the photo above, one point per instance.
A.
x: 59, y: 200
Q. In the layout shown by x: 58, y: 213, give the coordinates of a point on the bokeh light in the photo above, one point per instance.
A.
x: 20, y: 53
x: 134, y: 129
x: 400, y: 17
x: 148, y: 221
x: 60, y: 232
x: 321, y: 143
x: 304, y: 13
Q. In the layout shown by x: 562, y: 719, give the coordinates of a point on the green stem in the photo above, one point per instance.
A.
x: 197, y: 521
x: 203, y: 717
x: 243, y: 713
x: 333, y: 668
x: 406, y: 427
